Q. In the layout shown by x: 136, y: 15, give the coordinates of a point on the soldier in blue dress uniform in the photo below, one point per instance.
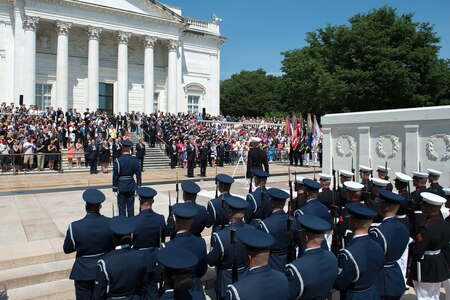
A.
x: 417, y: 217
x: 177, y: 273
x: 365, y: 173
x: 393, y: 238
x: 122, y: 273
x: 312, y: 275
x: 124, y: 185
x: 90, y: 237
x: 313, y: 206
x: 150, y: 229
x: 259, y: 207
x: 362, y: 260
x: 276, y: 225
x: 300, y: 200
x: 261, y: 282
x: 429, y: 267
x: 184, y: 214
x: 217, y: 213
x: 226, y: 253
x: 190, y: 191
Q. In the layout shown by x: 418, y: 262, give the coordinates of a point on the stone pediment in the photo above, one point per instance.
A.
x: 149, y: 8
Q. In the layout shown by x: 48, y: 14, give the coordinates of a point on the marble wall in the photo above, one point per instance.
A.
x: 407, y: 139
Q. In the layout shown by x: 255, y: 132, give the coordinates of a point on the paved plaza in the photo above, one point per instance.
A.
x: 36, y: 209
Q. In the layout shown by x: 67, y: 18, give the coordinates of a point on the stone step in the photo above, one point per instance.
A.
x: 62, y: 289
x: 35, y: 273
x: 33, y: 252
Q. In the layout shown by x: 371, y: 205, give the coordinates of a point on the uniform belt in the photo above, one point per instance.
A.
x: 400, y: 216
x: 278, y: 251
x: 360, y: 291
x: 121, y: 296
x: 93, y: 255
x: 417, y: 211
x: 230, y: 268
x: 125, y: 177
x: 432, y: 252
x: 146, y: 248
x: 390, y: 264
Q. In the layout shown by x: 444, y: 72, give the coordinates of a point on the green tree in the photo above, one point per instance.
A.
x: 250, y: 93
x: 380, y: 61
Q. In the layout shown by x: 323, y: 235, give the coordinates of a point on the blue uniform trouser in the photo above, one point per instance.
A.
x: 125, y: 201
x: 84, y: 289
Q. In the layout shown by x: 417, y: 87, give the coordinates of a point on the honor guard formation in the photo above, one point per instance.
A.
x: 359, y: 239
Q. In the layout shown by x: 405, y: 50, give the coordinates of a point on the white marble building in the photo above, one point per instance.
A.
x: 116, y: 55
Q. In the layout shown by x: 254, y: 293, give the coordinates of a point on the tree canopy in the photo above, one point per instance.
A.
x: 381, y: 60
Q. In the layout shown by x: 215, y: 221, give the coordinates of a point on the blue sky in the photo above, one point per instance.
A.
x: 259, y: 30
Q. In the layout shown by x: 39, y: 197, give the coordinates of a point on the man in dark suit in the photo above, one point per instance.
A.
x: 257, y: 158
x: 92, y: 149
x: 173, y: 155
x: 203, y: 158
x: 90, y: 245
x: 124, y: 168
x: 119, y: 122
x: 190, y: 150
x: 140, y: 153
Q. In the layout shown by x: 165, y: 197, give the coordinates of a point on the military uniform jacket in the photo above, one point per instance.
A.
x: 276, y: 225
x: 121, y: 273
x: 437, y: 189
x: 90, y: 237
x: 416, y: 217
x: 217, y: 212
x: 261, y: 283
x: 257, y: 158
x: 359, y: 266
x: 170, y: 294
x: 326, y: 197
x: 432, y: 238
x: 403, y: 212
x: 393, y: 238
x: 312, y: 275
x: 124, y: 168
x: 199, y: 223
x: 197, y: 246
x: 316, y: 208
x: 254, y: 210
x: 222, y: 255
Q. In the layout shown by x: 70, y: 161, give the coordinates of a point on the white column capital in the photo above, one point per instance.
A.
x: 173, y: 45
x: 149, y: 41
x: 122, y: 37
x: 94, y: 32
x: 30, y: 23
x: 63, y: 27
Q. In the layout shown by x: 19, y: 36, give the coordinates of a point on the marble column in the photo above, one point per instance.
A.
x: 172, y: 77
x: 29, y: 62
x: 122, y: 71
x: 149, y: 42
x: 62, y: 63
x: 93, y: 67
x: 412, y: 143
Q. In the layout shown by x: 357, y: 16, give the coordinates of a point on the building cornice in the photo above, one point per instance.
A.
x: 205, y: 36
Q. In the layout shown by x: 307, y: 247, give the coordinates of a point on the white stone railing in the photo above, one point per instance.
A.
x: 197, y: 23
x: 408, y: 140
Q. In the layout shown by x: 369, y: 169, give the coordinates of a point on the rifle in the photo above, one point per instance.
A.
x: 162, y: 240
x: 222, y: 203
x: 250, y: 186
x: 290, y: 254
x: 386, y: 171
x: 263, y: 201
x: 353, y: 170
x: 412, y: 221
x: 176, y: 188
x: 334, y: 214
x: 314, y: 178
x: 112, y: 204
x: 215, y: 180
x: 234, y: 269
x: 370, y: 166
x: 171, y: 217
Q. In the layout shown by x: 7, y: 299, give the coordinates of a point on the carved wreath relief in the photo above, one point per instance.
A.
x: 351, y: 146
x: 430, y: 149
x: 395, y: 146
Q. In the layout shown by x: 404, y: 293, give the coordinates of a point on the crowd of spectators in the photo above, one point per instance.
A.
x: 33, y: 138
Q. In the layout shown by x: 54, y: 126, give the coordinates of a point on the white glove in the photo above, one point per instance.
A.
x: 115, y: 194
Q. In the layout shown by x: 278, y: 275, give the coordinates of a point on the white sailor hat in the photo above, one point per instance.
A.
x: 434, y: 172
x: 420, y: 175
x: 432, y: 199
x: 346, y: 173
x: 353, y: 186
x: 380, y: 182
x: 381, y: 168
x: 446, y: 191
x: 324, y: 176
x: 402, y: 177
x: 299, y: 179
x: 364, y: 168
x: 255, y: 139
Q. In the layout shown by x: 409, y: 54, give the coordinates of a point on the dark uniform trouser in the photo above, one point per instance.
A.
x: 141, y: 161
x: 125, y: 201
x: 191, y: 165
x: 93, y: 165
x: 173, y: 161
x: 84, y: 289
x: 203, y: 164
